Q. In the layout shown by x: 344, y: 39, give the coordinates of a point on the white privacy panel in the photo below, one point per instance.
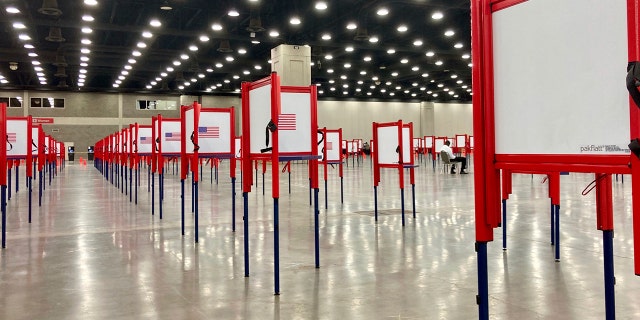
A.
x: 331, y: 146
x: 189, y: 120
x: 406, y: 145
x: 214, y: 132
x: 387, y: 145
x: 58, y: 148
x: 555, y: 68
x: 17, y: 143
x: 461, y: 141
x: 294, y: 123
x: 428, y: 142
x: 238, y: 151
x: 145, y: 140
x: 34, y: 140
x: 439, y: 142
x: 260, y: 115
x: 170, y: 135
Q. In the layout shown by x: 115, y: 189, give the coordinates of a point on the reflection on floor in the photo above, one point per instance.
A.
x: 90, y: 253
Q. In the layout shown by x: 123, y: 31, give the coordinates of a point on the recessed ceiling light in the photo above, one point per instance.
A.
x: 373, y: 39
x: 193, y: 48
x: 219, y: 65
x: 417, y: 43
x: 121, y: 77
x: 328, y: 57
x: 204, y: 38
x: 430, y: 54
x: 246, y: 72
x: 132, y: 61
x: 33, y: 54
x: 29, y: 46
x: 155, y: 23
x: 255, y: 41
x: 374, y: 78
x: 352, y: 26
x: 24, y: 37
x: 466, y: 56
x: 363, y: 73
x: 86, y: 30
x: 437, y: 15
x: 125, y: 72
x: 19, y: 25
x: 326, y: 36
x: 90, y: 2
x: 458, y: 45
x: 321, y: 5
x: 415, y: 68
x: 332, y: 81
x: 87, y: 18
x: 149, y: 87
x: 147, y: 34
x: 348, y: 49
x: 391, y: 51
x: 382, y: 12
x: 184, y: 56
x: 394, y: 74
x: 84, y: 64
x: 229, y: 58
x: 329, y: 70
x: 454, y: 76
x: 367, y: 58
x: 141, y: 45
x: 233, y: 13
x: 273, y: 33
x: 163, y: 74
x: 85, y: 41
x: 85, y: 50
x: 440, y: 85
x: 470, y: 65
x: 449, y: 33
x: 13, y: 10
x: 170, y: 69
x: 118, y: 81
x: 84, y: 58
x: 136, y: 53
x: 209, y: 70
x: 176, y: 63
x: 459, y: 82
x: 424, y: 75
x: 194, y: 80
x: 402, y: 28
x: 216, y: 26
x: 404, y: 60
x: 242, y: 51
x: 201, y: 75
x: 439, y: 63
x: 347, y: 65
x: 295, y: 21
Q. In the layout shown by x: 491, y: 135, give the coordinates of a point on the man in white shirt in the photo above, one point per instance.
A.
x: 453, y: 158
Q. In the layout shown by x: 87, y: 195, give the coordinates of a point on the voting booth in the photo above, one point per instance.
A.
x: 572, y: 114
x: 278, y: 124
x: 393, y: 144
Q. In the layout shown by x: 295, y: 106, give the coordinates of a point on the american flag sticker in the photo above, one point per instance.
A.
x: 287, y: 121
x: 172, y: 136
x: 329, y: 145
x: 11, y: 137
x: 145, y: 140
x: 209, y: 132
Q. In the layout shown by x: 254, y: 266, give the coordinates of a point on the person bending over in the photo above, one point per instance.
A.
x: 453, y: 158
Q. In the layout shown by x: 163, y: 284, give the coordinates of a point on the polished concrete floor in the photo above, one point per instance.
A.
x: 90, y: 253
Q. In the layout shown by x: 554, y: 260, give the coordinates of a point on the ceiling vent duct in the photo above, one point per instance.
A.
x: 361, y: 34
x: 50, y: 8
x: 194, y: 67
x: 61, y: 61
x: 180, y: 77
x: 255, y: 25
x: 225, y: 46
x: 62, y: 83
x: 61, y: 72
x: 164, y: 86
x: 55, y: 35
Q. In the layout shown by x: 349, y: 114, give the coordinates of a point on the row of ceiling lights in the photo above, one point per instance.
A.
x: 136, y: 53
x: 24, y: 37
x: 85, y: 49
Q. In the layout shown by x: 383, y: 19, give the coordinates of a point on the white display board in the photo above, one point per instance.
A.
x: 58, y: 148
x: 388, y: 143
x: 294, y: 123
x: 214, y: 130
x: 189, y: 124
x: 428, y: 142
x: 260, y: 111
x: 238, y: 151
x: 559, y: 70
x: 47, y: 145
x: 331, y: 143
x: 17, y: 144
x: 145, y: 140
x: 416, y: 143
x: 461, y: 141
x: 439, y: 142
x: 129, y: 134
x: 344, y: 144
x: 170, y: 136
x: 471, y: 142
x: 34, y: 140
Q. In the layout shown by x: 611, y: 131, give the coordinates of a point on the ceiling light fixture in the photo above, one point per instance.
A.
x: 155, y: 23
x: 13, y: 10
x: 382, y: 12
x: 295, y: 21
x: 437, y: 15
x: 233, y: 13
x: 321, y: 5
x: 166, y: 6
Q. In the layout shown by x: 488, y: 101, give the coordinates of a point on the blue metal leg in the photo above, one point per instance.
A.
x: 182, y: 204
x: 196, y: 211
x: 29, y: 182
x: 316, y: 213
x: 245, y: 219
x: 375, y: 202
x: 413, y: 197
x: 504, y: 224
x: 276, y: 247
x: 483, y: 281
x: 216, y: 169
x: 193, y: 195
x: 130, y: 184
x: 289, y: 182
x: 3, y: 203
x: 233, y: 204
x: 136, y: 183
x: 148, y: 178
x: 557, y: 232
x: 161, y: 185
x: 263, y: 184
x: 17, y: 179
x: 153, y: 193
x: 609, y: 276
x: 402, y: 204
x: 310, y: 201
x: 9, y: 184
x: 326, y: 196
x: 341, y: 191
x: 40, y: 188
x: 553, y: 224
